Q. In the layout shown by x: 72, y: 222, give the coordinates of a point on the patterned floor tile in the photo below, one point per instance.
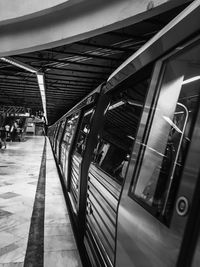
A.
x: 4, y: 213
x: 34, y: 183
x: 7, y: 249
x: 8, y: 195
x: 6, y: 183
x: 15, y: 252
x: 12, y: 264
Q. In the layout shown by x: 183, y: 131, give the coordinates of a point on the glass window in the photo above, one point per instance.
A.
x: 121, y: 121
x: 83, y: 133
x: 55, y: 134
x: 70, y: 128
x: 62, y: 125
x: 168, y: 138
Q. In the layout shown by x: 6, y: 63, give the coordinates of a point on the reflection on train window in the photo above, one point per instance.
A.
x: 61, y: 130
x: 121, y: 122
x: 56, y: 132
x: 170, y: 133
x: 70, y: 128
x: 84, y: 131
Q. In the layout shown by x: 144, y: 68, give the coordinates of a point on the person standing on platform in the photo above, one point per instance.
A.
x: 3, y: 137
x: 7, y: 128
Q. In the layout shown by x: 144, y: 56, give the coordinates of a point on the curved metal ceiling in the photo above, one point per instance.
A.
x: 72, y: 71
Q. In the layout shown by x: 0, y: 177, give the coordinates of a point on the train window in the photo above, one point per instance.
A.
x: 70, y: 128
x: 55, y: 134
x: 83, y: 133
x: 121, y: 122
x: 162, y: 159
x: 61, y: 129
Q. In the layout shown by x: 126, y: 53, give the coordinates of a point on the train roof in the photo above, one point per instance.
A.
x: 179, y: 29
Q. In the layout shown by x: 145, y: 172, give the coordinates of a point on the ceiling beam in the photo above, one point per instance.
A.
x: 49, y: 60
x: 72, y: 76
x: 114, y: 48
x: 88, y: 55
x: 77, y: 81
x: 75, y: 70
x: 137, y: 39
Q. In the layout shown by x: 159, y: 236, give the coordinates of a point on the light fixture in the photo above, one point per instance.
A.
x: 19, y: 64
x: 40, y: 78
x: 135, y: 103
x: 131, y: 137
x: 195, y: 78
x: 116, y: 105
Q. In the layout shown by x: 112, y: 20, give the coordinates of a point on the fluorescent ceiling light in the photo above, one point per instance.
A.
x: 195, y: 78
x: 116, y: 105
x: 135, y: 103
x: 87, y: 113
x: 19, y: 64
x: 131, y: 137
x: 40, y: 78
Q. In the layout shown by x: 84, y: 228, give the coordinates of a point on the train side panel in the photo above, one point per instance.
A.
x: 154, y: 211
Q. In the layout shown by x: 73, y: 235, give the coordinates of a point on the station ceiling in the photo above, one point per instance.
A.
x: 72, y: 71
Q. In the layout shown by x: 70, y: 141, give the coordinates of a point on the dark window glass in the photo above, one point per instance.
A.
x: 122, y: 117
x: 56, y: 133
x: 70, y: 128
x: 83, y: 133
x: 62, y: 125
x: 164, y: 152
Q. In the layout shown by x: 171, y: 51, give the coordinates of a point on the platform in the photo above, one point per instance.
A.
x: 35, y: 228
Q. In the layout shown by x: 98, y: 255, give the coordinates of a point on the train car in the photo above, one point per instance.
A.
x: 133, y: 170
x: 73, y: 143
x: 158, y: 209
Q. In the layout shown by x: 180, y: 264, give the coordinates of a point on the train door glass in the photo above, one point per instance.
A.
x: 109, y: 165
x: 70, y: 128
x: 60, y: 133
x: 120, y: 127
x: 164, y: 152
x: 77, y: 154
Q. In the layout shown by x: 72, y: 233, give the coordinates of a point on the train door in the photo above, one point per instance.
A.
x: 196, y: 246
x: 76, y: 158
x: 108, y: 168
x: 69, y: 132
x: 161, y: 179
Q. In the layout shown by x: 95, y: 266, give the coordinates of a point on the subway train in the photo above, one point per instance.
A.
x: 128, y: 155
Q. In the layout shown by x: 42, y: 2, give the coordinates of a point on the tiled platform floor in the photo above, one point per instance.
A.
x: 19, y: 172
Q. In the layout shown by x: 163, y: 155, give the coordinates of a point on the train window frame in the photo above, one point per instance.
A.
x: 77, y: 143
x: 119, y: 99
x: 75, y: 115
x: 156, y: 88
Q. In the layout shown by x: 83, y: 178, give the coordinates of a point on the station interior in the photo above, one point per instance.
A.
x: 53, y: 54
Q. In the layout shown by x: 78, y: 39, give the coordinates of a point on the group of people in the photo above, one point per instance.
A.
x: 8, y: 132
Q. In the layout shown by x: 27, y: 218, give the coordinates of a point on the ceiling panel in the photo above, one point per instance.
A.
x: 72, y: 71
